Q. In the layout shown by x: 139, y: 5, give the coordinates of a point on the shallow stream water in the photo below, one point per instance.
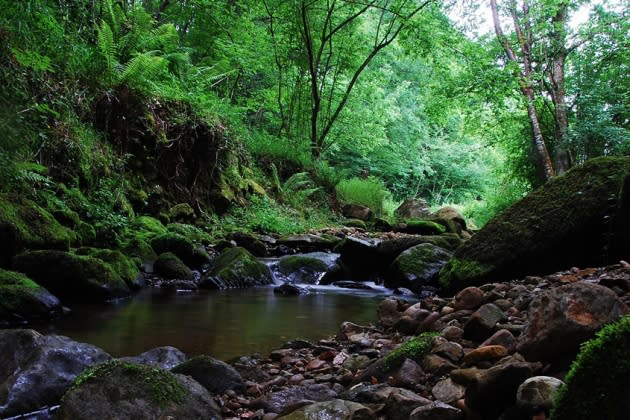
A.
x: 223, y: 324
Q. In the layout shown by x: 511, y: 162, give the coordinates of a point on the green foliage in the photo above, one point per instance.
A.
x: 368, y: 192
x: 597, y: 383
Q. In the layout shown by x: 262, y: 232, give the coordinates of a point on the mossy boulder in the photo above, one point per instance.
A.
x: 72, y: 277
x: 417, y: 268
x: 137, y: 247
x: 169, y: 266
x: 236, y: 268
x: 124, y: 266
x: 597, y: 385
x: 118, y: 389
x: 310, y: 268
x: 182, y: 212
x: 23, y: 299
x: 25, y: 225
x: 191, y: 232
x: 423, y: 227
x: 415, y: 349
x: 86, y: 233
x: 193, y: 255
x: 147, y: 227
x: 568, y: 222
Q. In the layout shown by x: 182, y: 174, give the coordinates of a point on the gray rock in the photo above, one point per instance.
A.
x: 331, y: 410
x: 36, y: 370
x: 447, y: 391
x: 356, y: 211
x: 216, y: 376
x: 538, y: 392
x: 166, y: 357
x: 281, y: 401
x: 413, y: 208
x: 482, y: 322
x: 436, y: 411
x: 417, y: 267
x: 120, y: 390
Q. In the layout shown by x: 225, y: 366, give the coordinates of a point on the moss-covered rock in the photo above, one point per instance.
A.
x: 23, y: 299
x: 86, y: 233
x: 120, y: 389
x: 311, y: 268
x: 423, y: 227
x: 293, y: 263
x: 193, y: 255
x: 216, y: 376
x: 236, y: 268
x: 415, y: 349
x: 417, y: 267
x: 25, y: 225
x: 139, y: 248
x: 147, y: 227
x: 169, y: 266
x: 124, y: 266
x: 567, y: 222
x: 191, y: 232
x: 597, y: 385
x: 182, y: 213
x: 72, y: 277
x: 355, y: 223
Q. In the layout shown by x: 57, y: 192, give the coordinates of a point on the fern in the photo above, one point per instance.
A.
x: 141, y: 70
x: 107, y: 47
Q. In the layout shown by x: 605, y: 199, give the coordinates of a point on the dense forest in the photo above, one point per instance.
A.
x: 137, y: 106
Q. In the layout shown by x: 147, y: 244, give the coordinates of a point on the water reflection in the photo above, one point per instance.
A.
x: 223, y: 324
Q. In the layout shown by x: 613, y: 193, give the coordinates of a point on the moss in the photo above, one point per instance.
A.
x: 124, y: 266
x: 236, y: 267
x: 424, y: 227
x: 293, y: 263
x: 562, y: 224
x: 138, y: 248
x: 70, y: 276
x: 191, y: 232
x: 182, y: 212
x: 86, y: 232
x: 159, y: 385
x: 356, y: 223
x: 458, y: 271
x: 597, y: 384
x: 171, y: 267
x: 24, y: 298
x: 193, y: 255
x: 414, y: 349
x: 25, y: 225
x: 147, y: 227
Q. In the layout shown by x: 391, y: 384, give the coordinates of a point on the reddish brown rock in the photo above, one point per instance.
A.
x: 468, y: 298
x: 484, y: 353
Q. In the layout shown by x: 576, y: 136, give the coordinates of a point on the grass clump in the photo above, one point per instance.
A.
x: 368, y: 192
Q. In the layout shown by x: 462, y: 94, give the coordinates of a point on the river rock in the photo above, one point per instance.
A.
x: 503, y: 338
x: 216, y: 376
x: 236, y: 268
x: 72, y: 277
x: 287, y: 289
x: 36, y: 370
x: 469, y: 298
x: 437, y: 410
x: 249, y: 242
x: 334, y: 410
x: 309, y: 268
x: 451, y: 213
x: 123, y: 390
x: 166, y: 357
x: 308, y: 242
x: 23, y: 299
x: 557, y: 226
x: 360, y: 256
x: 356, y: 211
x: 494, y: 389
x: 562, y: 318
x: 169, y: 266
x: 538, y: 393
x: 413, y: 208
x: 417, y: 267
x: 482, y: 322
x: 389, y: 312
x: 292, y: 396
x: 447, y: 391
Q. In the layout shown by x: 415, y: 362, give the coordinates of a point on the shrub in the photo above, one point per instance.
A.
x: 368, y: 192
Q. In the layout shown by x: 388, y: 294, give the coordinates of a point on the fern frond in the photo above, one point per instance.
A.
x: 107, y: 47
x: 141, y: 70
x: 297, y: 181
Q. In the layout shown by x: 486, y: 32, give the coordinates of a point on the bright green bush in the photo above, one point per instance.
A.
x: 368, y: 192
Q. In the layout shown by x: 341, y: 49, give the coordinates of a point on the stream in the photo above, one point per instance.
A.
x: 221, y: 323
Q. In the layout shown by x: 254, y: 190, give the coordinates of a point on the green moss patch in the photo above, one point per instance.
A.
x: 73, y: 277
x: 236, y: 267
x: 191, y: 232
x: 25, y: 225
x: 124, y: 266
x: 168, y: 265
x: 158, y: 385
x: 597, y: 384
x: 22, y: 298
x: 293, y: 263
x: 424, y: 227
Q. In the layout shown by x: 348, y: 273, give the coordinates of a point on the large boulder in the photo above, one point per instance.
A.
x: 72, y: 277
x: 25, y: 225
x: 123, y: 390
x: 597, y: 385
x: 357, y: 211
x: 124, y: 266
x: 169, y: 266
x: 567, y: 222
x: 36, y: 370
x: 334, y: 409
x: 417, y: 267
x: 236, y: 268
x: 564, y: 317
x: 308, y: 268
x: 192, y: 254
x: 413, y: 208
x: 165, y: 357
x: 216, y: 376
x: 23, y: 299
